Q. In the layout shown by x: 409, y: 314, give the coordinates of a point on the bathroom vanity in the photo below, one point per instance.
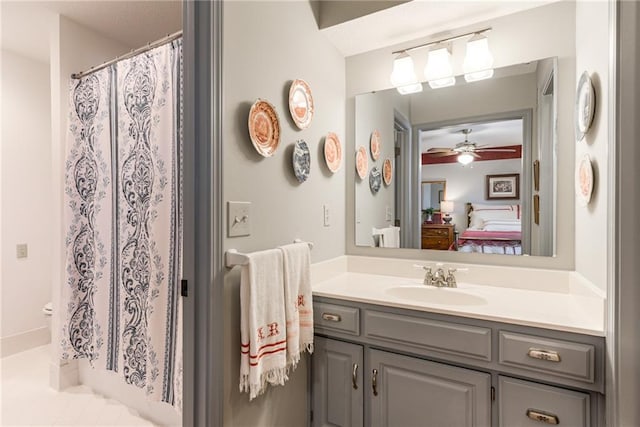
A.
x: 403, y: 354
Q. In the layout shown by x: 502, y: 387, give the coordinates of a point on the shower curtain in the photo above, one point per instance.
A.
x: 120, y: 300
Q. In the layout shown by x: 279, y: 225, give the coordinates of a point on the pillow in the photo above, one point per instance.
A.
x: 479, y: 217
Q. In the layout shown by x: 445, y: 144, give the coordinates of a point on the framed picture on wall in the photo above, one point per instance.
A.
x: 503, y: 187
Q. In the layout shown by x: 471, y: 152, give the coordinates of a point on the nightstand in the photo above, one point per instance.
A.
x: 437, y: 236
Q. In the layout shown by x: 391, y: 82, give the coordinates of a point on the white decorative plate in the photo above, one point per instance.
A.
x: 387, y: 171
x: 362, y: 163
x: 301, y: 160
x: 584, y: 180
x: 585, y: 106
x: 375, y: 180
x: 264, y: 128
x: 332, y: 152
x: 374, y: 144
x: 301, y: 103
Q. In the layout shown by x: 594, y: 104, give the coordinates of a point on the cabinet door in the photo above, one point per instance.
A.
x: 406, y: 391
x: 337, y: 383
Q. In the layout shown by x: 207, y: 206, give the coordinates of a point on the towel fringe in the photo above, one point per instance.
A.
x: 274, y: 377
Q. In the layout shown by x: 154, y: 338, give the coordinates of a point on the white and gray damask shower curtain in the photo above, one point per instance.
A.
x: 120, y: 301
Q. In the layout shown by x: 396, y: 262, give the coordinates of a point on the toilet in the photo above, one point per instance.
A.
x: 47, y: 310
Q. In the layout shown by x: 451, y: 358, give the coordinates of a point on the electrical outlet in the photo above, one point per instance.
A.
x: 388, y: 213
x: 325, y: 209
x: 238, y: 219
x: 358, y: 220
x: 22, y: 251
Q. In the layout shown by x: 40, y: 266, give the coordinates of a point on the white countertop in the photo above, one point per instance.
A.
x: 565, y: 310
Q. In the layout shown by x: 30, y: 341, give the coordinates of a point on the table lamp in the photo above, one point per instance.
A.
x: 446, y: 207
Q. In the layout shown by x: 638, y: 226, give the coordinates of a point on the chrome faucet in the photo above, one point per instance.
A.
x: 439, y: 278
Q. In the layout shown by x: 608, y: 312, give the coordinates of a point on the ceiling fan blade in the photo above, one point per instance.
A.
x: 477, y: 156
x: 496, y: 149
x: 439, y: 150
x: 442, y: 154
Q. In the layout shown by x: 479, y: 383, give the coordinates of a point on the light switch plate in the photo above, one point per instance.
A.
x: 325, y: 210
x: 238, y: 219
x: 388, y: 213
x: 22, y: 250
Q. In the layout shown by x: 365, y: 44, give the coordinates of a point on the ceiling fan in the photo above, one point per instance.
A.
x: 470, y: 149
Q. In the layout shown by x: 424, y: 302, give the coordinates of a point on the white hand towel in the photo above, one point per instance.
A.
x: 298, y: 300
x: 390, y: 237
x: 263, y: 331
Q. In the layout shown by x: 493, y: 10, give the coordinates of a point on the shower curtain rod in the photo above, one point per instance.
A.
x: 134, y: 52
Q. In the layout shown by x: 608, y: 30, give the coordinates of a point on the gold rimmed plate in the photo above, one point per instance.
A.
x: 264, y: 128
x: 374, y: 144
x: 362, y: 163
x: 301, y: 103
x: 332, y: 152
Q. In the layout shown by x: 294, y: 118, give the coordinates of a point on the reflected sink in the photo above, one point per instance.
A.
x: 429, y: 294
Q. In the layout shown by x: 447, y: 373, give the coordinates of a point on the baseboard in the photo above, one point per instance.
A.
x: 24, y: 341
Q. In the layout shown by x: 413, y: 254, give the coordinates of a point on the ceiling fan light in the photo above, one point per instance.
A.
x: 403, y: 73
x: 478, y: 61
x: 438, y: 70
x: 465, y: 158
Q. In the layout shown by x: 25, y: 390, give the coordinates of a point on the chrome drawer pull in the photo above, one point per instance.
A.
x: 354, y: 376
x: 374, y: 382
x: 549, y: 355
x: 543, y: 417
x: 331, y: 317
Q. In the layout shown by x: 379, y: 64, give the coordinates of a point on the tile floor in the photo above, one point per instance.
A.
x: 27, y: 399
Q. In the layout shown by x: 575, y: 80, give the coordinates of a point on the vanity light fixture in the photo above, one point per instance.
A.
x: 438, y: 71
x: 478, y: 61
x: 403, y: 76
x: 465, y: 158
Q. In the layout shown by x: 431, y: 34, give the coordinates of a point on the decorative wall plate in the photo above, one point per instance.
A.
x: 387, y: 171
x: 584, y: 180
x: 362, y: 163
x: 332, y: 152
x: 374, y: 144
x: 301, y: 160
x: 301, y: 103
x: 375, y: 180
x: 585, y: 106
x: 264, y: 127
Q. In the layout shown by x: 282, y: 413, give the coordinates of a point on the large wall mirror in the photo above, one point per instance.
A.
x: 482, y: 181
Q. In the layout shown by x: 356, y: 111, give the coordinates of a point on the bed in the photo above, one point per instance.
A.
x: 494, y: 229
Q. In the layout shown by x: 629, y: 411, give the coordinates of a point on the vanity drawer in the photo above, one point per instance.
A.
x: 335, y: 317
x: 431, y: 335
x: 561, y: 358
x: 527, y: 404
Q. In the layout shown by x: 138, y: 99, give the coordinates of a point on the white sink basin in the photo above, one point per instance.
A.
x: 429, y: 294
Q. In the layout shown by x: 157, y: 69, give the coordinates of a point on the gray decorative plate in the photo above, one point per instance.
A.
x: 301, y: 160
x: 585, y: 106
x: 375, y: 179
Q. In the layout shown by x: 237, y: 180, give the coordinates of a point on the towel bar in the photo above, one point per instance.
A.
x: 233, y: 257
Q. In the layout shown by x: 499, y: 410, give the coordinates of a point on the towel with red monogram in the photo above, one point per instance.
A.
x: 298, y: 301
x: 263, y: 331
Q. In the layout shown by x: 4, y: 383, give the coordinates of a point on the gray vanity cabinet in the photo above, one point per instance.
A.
x: 434, y: 370
x: 407, y: 391
x: 337, y: 383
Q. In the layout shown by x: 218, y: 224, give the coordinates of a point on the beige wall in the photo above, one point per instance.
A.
x: 592, y: 55
x: 26, y: 202
x: 267, y: 45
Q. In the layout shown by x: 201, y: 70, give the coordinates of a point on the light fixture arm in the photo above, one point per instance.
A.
x: 449, y: 39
